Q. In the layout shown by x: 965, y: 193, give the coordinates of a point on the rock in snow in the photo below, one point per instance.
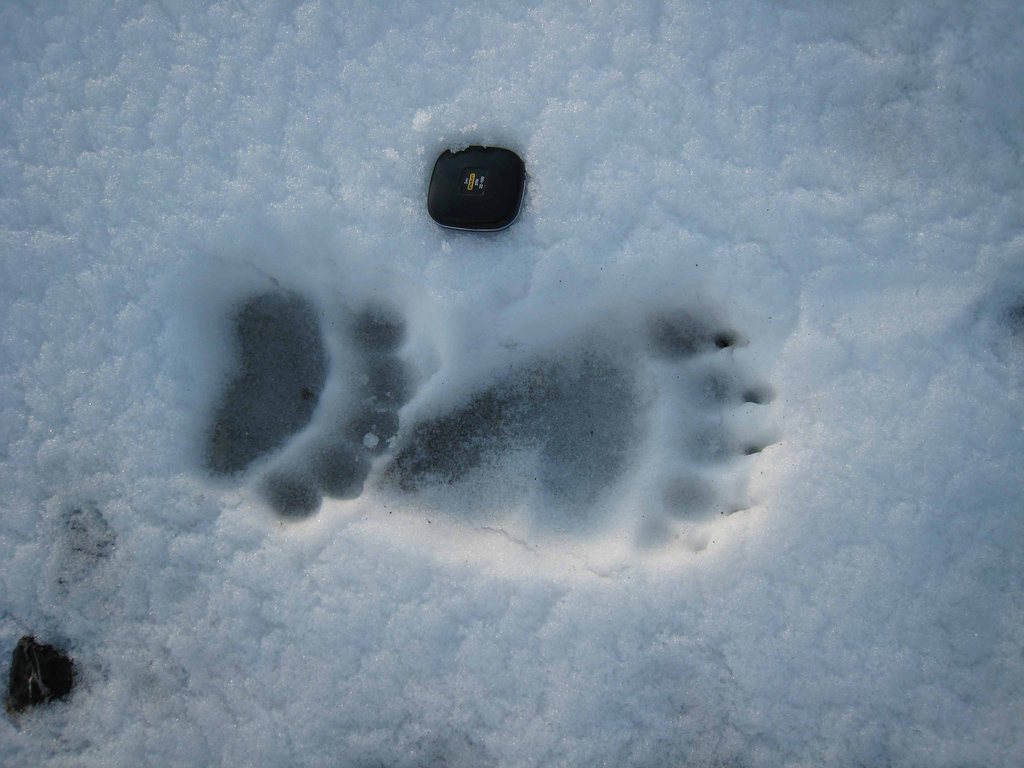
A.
x: 39, y: 673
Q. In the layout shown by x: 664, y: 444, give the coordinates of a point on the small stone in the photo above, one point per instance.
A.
x: 39, y: 673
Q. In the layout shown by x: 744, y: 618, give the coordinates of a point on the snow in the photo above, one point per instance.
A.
x: 537, y: 569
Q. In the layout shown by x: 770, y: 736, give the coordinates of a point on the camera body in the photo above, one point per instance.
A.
x: 477, y: 188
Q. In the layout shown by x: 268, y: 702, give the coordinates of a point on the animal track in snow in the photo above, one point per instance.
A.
x: 576, y: 411
x: 666, y: 414
x: 83, y: 541
x: 663, y: 412
x: 282, y: 366
x: 280, y: 383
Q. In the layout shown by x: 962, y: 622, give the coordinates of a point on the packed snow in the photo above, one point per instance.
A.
x: 712, y: 458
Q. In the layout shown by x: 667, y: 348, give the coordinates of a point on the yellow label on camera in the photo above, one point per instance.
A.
x: 472, y: 181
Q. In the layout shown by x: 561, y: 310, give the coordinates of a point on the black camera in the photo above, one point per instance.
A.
x: 477, y: 188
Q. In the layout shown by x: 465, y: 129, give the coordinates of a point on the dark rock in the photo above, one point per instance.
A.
x: 39, y: 673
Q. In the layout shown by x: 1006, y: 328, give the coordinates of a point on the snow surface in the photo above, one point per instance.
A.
x: 837, y: 184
